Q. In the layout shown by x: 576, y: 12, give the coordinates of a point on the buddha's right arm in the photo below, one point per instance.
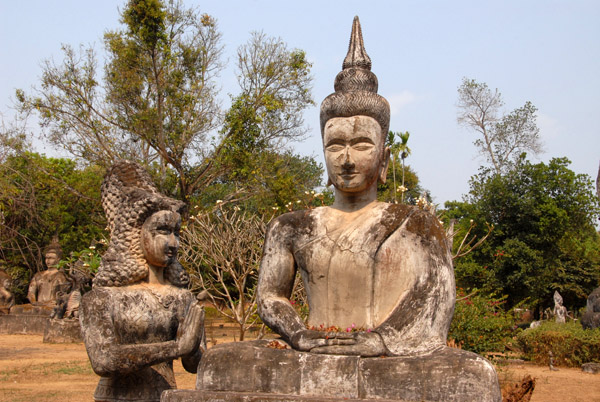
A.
x: 275, y: 282
x: 107, y: 356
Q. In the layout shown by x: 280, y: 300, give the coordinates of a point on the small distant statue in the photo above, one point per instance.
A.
x: 47, y: 286
x: 591, y: 318
x: 560, y: 311
x: 139, y: 316
x: 67, y: 306
x: 7, y: 299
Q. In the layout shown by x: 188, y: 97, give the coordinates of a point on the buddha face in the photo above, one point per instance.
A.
x: 52, y: 259
x: 160, y: 238
x: 354, y: 153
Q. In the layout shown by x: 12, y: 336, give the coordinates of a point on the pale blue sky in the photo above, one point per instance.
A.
x: 547, y: 52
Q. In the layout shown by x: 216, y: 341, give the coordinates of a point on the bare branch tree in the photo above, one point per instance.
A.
x: 222, y: 250
x: 503, y: 138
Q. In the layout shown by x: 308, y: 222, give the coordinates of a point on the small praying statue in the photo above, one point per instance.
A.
x: 139, y: 316
x: 560, y: 311
x: 46, y: 286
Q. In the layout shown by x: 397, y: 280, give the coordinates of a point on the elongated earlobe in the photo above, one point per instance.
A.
x: 329, y: 182
x: 384, y: 165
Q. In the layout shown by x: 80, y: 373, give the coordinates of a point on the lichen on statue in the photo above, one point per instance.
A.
x: 139, y: 317
x: 383, y: 268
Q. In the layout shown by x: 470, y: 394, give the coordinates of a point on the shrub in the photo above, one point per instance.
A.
x: 571, y: 345
x: 480, y: 324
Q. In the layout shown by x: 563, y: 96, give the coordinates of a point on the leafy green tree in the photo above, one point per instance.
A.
x: 387, y: 192
x: 503, y: 138
x: 41, y: 197
x: 399, y: 149
x: 157, y: 103
x: 544, y: 238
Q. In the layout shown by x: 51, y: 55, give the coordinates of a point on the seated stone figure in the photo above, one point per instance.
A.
x: 46, y: 286
x: 591, y: 318
x: 138, y: 316
x: 378, y: 278
x: 7, y: 299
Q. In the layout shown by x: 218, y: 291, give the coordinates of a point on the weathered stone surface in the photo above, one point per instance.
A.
x: 228, y: 396
x: 62, y: 331
x: 444, y: 375
x: 593, y: 368
x: 378, y: 277
x: 591, y: 318
x: 47, y: 286
x: 560, y: 311
x: 7, y: 299
x: 138, y: 316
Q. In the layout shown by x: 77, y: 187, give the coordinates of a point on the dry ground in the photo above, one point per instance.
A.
x: 31, y: 370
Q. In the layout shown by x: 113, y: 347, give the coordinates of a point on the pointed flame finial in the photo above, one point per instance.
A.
x: 357, y: 56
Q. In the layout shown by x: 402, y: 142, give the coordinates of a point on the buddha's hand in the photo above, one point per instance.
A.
x: 366, y: 344
x: 308, y: 339
x: 190, y: 331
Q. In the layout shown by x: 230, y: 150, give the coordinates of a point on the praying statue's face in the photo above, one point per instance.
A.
x: 160, y: 238
x: 52, y: 259
x: 354, y: 152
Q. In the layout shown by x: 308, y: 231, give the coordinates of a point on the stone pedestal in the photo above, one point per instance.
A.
x: 445, y: 375
x: 66, y: 330
x: 25, y: 319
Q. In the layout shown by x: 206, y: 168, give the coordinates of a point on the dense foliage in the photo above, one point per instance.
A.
x: 41, y: 197
x: 158, y: 100
x: 544, y: 237
x: 570, y: 344
x: 480, y: 323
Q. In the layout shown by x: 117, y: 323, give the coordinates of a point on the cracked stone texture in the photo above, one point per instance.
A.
x: 446, y: 374
x: 47, y: 286
x: 591, y: 318
x: 138, y: 316
x: 383, y: 269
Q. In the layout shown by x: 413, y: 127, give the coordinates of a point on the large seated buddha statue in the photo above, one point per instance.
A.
x: 378, y: 278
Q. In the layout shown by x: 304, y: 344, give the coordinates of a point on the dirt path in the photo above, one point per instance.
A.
x: 31, y: 370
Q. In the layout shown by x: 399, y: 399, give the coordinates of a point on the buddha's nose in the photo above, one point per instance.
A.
x: 348, y: 162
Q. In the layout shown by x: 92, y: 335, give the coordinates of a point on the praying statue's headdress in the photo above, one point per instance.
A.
x: 356, y: 87
x: 54, y: 247
x: 129, y: 197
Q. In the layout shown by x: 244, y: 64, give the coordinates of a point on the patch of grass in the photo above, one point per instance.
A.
x: 6, y: 374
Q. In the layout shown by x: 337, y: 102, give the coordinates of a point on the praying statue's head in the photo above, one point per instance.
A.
x: 144, y: 229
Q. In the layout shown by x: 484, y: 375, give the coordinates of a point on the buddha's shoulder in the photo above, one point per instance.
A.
x: 296, y: 220
x: 413, y: 219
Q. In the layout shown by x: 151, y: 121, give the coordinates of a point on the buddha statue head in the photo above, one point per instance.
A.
x: 53, y: 253
x: 144, y: 226
x: 355, y: 122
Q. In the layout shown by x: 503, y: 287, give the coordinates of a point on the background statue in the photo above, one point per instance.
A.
x: 138, y: 316
x: 47, y: 286
x: 378, y: 277
x: 591, y: 317
x: 560, y: 311
x: 7, y: 299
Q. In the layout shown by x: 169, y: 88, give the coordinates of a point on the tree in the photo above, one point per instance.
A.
x: 544, y: 237
x: 222, y: 250
x: 503, y: 138
x: 39, y: 198
x: 157, y: 103
x: 398, y: 149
